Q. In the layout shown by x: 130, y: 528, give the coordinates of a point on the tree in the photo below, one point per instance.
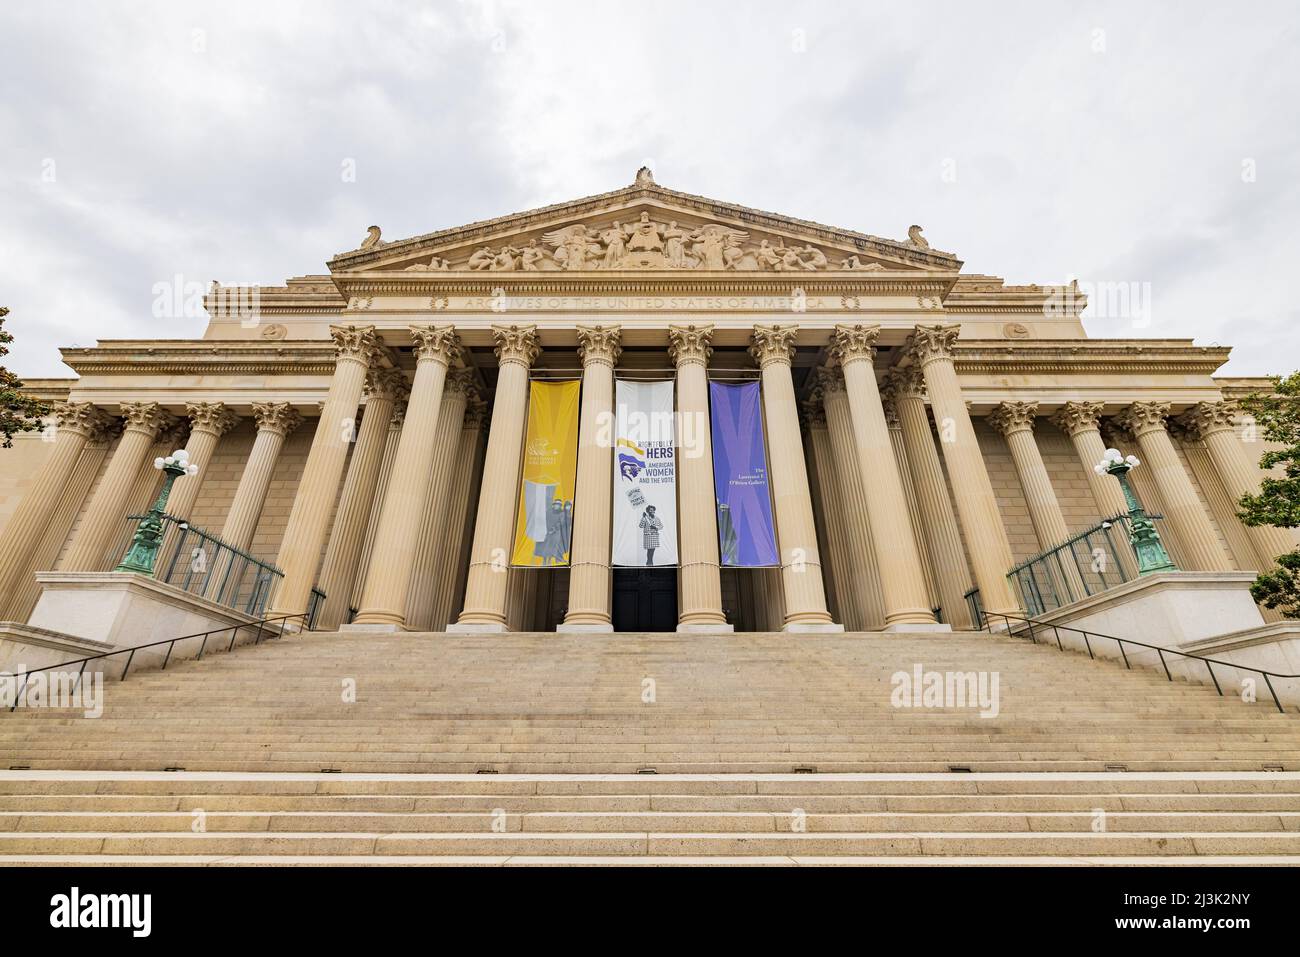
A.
x: 1277, y: 415
x: 18, y: 412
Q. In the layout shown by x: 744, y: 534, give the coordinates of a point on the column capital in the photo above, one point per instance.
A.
x: 1011, y: 417
x: 814, y: 412
x: 689, y: 344
x: 930, y: 343
x: 216, y: 418
x: 461, y: 382
x: 384, y: 382
x: 278, y: 417
x: 1076, y: 417
x: 851, y: 343
x: 148, y: 417
x: 83, y: 418
x: 773, y: 344
x: 903, y: 382
x: 475, y: 415
x: 436, y: 344
x: 517, y: 344
x: 1206, y: 418
x: 1143, y: 417
x: 355, y: 342
x: 830, y: 382
x: 599, y: 345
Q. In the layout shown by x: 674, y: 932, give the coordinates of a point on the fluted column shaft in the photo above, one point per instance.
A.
x: 304, y: 535
x: 862, y: 577
x: 450, y: 561
x: 340, y: 573
x: 938, y: 521
x: 420, y: 597
x: 913, y: 507
x: 801, y: 567
x: 275, y: 420
x: 1216, y: 423
x: 834, y: 521
x: 209, y: 421
x: 1183, y: 508
x: 700, y: 602
x: 29, y: 522
x: 486, y: 587
x: 977, y: 506
x: 902, y: 581
x: 105, y: 516
x: 383, y: 599
x: 589, y: 575
x: 1015, y: 420
x: 1081, y: 422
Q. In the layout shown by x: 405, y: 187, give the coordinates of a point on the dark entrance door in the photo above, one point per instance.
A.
x: 645, y: 599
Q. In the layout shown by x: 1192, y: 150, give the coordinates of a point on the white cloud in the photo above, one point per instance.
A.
x: 217, y: 153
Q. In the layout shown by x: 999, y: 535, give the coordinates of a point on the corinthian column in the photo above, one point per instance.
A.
x: 1216, y: 425
x: 209, y: 421
x: 486, y: 588
x: 304, y: 535
x: 105, y: 516
x: 977, y: 506
x: 801, y: 567
x: 452, y: 553
x: 275, y: 420
x: 589, y: 580
x: 1183, y: 508
x: 383, y: 600
x: 1015, y: 420
x: 902, y: 581
x: 341, y: 572
x: 424, y: 586
x: 840, y: 586
x: 701, y: 592
x: 937, y: 521
x: 77, y: 422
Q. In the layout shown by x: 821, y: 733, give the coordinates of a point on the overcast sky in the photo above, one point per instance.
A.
x: 1153, y: 146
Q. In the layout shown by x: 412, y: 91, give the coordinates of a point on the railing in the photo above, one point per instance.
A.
x: 974, y: 606
x: 130, y: 653
x: 1094, y: 560
x: 202, y: 564
x: 1034, y: 629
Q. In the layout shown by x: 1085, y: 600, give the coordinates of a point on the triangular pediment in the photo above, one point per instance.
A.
x: 639, y: 228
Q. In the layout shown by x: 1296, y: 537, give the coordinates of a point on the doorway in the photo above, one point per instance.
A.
x: 645, y: 599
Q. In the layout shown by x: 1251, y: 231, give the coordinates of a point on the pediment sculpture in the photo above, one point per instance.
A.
x: 645, y: 243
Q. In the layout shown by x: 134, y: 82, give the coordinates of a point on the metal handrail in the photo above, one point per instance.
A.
x: 170, y: 642
x: 1161, y: 651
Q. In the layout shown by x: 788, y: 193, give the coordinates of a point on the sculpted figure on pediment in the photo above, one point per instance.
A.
x: 482, y: 258
x: 856, y: 264
x: 646, y: 236
x: 615, y: 247
x: 533, y: 258
x: 716, y: 246
x: 574, y: 246
x: 435, y: 264
x: 674, y: 238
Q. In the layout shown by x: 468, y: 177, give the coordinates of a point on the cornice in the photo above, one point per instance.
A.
x: 1126, y: 356
x: 236, y: 357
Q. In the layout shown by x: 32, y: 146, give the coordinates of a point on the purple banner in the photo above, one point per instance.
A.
x: 745, y: 535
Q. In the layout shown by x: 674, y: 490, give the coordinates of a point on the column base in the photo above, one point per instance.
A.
x: 906, y: 626
x: 372, y: 626
x: 578, y: 627
x: 477, y: 628
x: 813, y: 627
x: 703, y: 628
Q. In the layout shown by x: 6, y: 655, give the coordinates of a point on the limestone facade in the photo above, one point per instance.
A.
x: 963, y: 408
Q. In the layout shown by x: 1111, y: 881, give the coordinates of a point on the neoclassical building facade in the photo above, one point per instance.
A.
x: 363, y: 430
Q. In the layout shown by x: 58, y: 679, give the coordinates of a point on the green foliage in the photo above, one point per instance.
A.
x: 18, y: 412
x: 1280, y: 588
x: 1278, y: 503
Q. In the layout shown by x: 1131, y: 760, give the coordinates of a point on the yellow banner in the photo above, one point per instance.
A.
x: 544, y: 520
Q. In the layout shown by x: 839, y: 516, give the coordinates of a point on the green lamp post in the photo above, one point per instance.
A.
x: 1142, y: 535
x: 148, y: 534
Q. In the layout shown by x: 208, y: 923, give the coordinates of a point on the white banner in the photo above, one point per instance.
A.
x: 645, y: 475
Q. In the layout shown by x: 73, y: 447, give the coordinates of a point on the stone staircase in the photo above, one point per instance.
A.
x: 407, y: 748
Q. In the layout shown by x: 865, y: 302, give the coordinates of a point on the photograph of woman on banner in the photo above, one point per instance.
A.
x: 553, y: 548
x: 650, y: 528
